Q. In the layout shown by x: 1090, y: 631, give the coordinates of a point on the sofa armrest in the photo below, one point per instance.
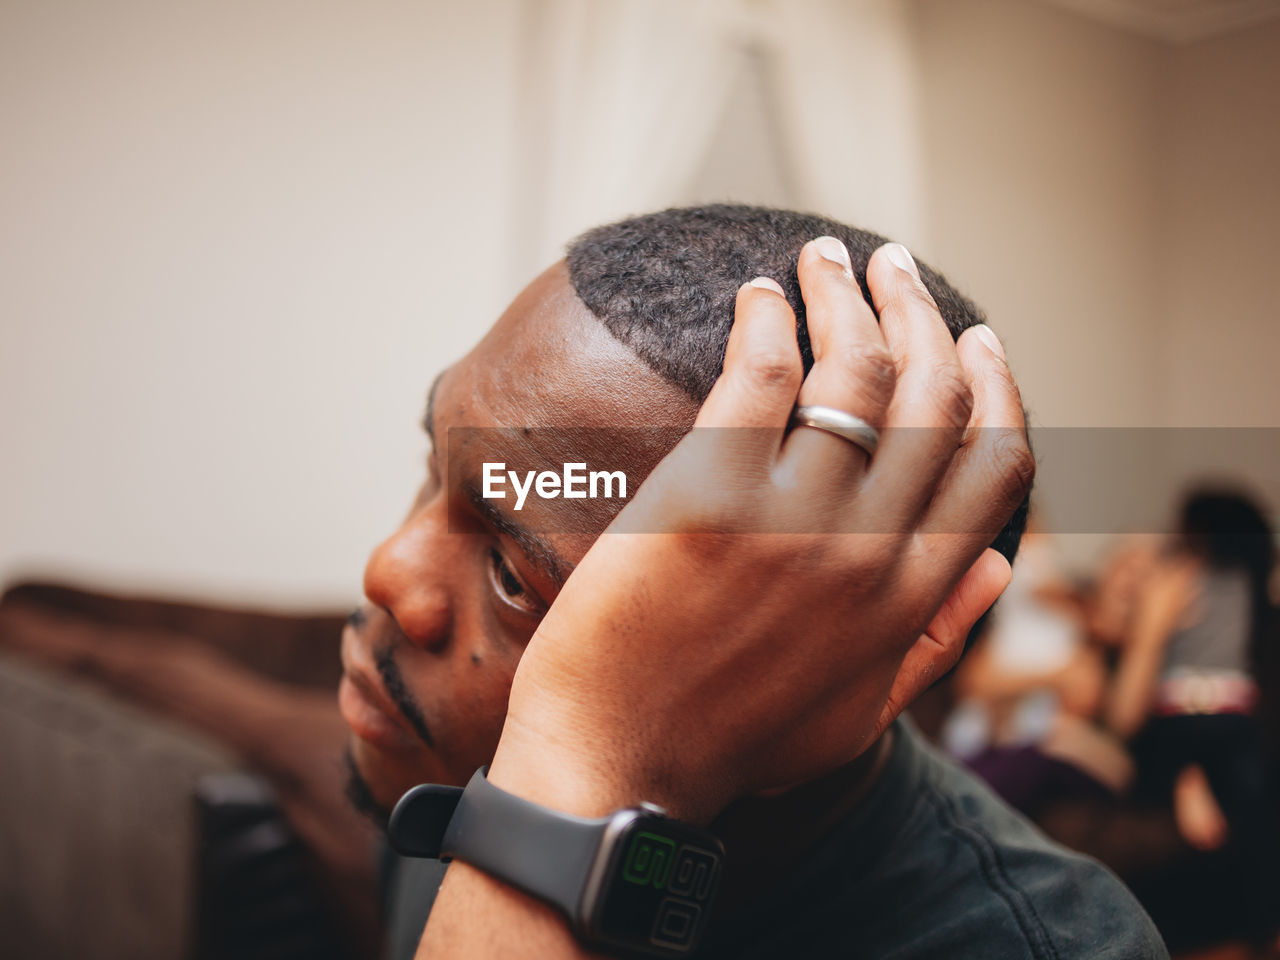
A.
x: 96, y: 818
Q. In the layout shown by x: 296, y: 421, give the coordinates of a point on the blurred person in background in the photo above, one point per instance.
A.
x: 1113, y: 597
x: 1195, y: 686
x: 1031, y: 690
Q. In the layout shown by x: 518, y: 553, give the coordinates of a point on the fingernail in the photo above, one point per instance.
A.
x: 902, y: 259
x: 988, y: 336
x: 832, y: 249
x: 764, y: 283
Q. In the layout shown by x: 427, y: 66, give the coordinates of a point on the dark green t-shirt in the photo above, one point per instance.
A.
x: 930, y: 864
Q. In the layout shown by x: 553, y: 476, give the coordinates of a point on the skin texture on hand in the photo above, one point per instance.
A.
x: 717, y: 658
x: 758, y: 679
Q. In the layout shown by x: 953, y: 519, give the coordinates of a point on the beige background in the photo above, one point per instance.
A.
x: 238, y: 239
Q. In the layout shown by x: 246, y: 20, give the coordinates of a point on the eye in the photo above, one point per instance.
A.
x: 506, y: 576
x: 508, y: 584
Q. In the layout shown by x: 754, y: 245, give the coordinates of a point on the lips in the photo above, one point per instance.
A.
x: 368, y: 710
x: 369, y: 721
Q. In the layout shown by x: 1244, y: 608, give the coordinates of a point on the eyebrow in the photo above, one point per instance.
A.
x: 538, y: 550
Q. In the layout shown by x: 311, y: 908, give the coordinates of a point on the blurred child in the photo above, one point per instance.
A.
x: 1186, y: 692
x: 1030, y: 690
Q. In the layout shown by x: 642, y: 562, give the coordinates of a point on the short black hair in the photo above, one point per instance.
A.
x: 664, y: 284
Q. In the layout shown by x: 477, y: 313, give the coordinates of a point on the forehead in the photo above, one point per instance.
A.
x: 548, y: 362
x: 550, y: 370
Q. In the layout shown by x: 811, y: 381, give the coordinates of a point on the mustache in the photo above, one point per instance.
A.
x: 384, y: 661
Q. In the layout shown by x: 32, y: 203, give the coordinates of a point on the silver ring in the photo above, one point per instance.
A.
x: 843, y: 425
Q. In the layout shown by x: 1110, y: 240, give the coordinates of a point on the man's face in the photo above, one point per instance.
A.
x: 455, y: 594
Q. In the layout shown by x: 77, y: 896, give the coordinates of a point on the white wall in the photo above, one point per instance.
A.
x: 238, y: 239
x: 1218, y: 306
x: 1040, y: 129
x: 1113, y: 202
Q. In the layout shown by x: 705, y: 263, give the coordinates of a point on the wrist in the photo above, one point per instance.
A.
x: 572, y: 777
x: 556, y: 779
x: 635, y: 882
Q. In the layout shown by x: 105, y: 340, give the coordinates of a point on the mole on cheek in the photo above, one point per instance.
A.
x: 475, y: 657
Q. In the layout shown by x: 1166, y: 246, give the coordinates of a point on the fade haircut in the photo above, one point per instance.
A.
x: 664, y: 284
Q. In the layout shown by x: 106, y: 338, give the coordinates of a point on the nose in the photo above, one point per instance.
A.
x: 405, y: 576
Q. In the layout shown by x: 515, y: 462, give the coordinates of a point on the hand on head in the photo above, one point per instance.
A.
x: 776, y: 624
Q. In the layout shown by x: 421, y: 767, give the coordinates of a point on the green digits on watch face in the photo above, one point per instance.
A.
x: 657, y: 887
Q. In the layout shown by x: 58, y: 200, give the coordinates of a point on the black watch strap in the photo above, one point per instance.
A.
x: 420, y: 819
x: 635, y: 883
x: 546, y: 854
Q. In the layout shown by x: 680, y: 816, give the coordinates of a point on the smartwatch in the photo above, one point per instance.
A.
x: 636, y: 883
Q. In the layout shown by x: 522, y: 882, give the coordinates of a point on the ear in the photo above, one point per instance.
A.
x: 942, y: 643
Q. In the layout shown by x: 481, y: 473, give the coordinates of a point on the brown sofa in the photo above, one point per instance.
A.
x: 139, y: 818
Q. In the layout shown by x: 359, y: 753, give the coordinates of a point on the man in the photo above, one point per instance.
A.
x: 747, y: 682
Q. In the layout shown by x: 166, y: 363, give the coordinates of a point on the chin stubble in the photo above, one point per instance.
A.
x: 361, y: 797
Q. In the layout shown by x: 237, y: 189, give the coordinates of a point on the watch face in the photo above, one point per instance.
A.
x: 659, y: 887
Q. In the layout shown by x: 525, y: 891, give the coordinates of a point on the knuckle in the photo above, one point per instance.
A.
x: 710, y: 516
x: 1014, y: 463
x: 1005, y: 383
x: 950, y: 395
x: 952, y: 651
x: 772, y: 369
x: 872, y: 366
x: 707, y: 546
x: 874, y: 556
x: 911, y: 296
